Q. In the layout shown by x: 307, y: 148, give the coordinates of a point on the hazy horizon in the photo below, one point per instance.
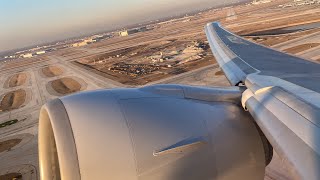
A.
x: 32, y: 22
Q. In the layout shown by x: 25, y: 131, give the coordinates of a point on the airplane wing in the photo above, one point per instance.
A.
x: 282, y: 95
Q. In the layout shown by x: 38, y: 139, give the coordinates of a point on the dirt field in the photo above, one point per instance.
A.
x: 17, y: 79
x: 8, y: 144
x: 276, y: 39
x: 11, y: 176
x: 161, y: 73
x: 301, y: 48
x: 66, y: 85
x: 13, y: 100
x: 52, y: 71
x: 139, y: 65
x: 219, y: 73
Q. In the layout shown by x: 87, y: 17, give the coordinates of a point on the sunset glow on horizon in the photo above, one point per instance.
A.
x: 31, y: 22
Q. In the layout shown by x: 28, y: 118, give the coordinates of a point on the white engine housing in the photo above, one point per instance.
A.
x: 158, y: 132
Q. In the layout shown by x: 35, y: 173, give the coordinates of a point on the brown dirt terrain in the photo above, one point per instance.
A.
x: 273, y: 40
x: 141, y: 64
x: 11, y: 176
x: 13, y: 100
x: 17, y: 79
x: 300, y: 48
x: 147, y: 78
x: 8, y: 144
x: 52, y: 71
x: 219, y: 73
x: 66, y: 85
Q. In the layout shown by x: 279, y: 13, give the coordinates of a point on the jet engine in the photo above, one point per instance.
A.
x: 161, y: 132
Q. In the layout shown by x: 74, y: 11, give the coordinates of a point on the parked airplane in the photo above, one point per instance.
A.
x: 183, y: 132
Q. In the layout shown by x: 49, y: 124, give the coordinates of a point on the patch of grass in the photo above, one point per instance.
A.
x: 8, y: 123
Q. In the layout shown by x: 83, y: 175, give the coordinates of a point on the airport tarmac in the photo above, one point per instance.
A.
x: 23, y: 158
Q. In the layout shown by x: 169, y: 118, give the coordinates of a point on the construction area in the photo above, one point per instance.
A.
x: 12, y: 100
x: 142, y: 64
x: 65, y: 86
x: 174, y: 51
x: 17, y: 80
x: 52, y: 71
x: 178, y: 46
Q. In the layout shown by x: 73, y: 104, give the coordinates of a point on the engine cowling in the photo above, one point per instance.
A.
x: 157, y: 132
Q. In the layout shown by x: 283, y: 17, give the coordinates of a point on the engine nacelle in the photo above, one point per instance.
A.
x: 158, y: 132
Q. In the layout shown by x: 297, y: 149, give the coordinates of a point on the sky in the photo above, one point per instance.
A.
x: 30, y: 22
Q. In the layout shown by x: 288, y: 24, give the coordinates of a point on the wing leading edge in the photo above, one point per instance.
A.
x: 283, y: 96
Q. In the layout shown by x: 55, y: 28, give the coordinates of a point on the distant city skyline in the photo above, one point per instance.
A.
x: 31, y: 22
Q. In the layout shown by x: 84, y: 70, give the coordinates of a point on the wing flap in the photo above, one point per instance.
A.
x: 290, y: 120
x: 287, y: 144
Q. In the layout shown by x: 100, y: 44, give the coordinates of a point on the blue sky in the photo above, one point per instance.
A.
x: 30, y: 22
